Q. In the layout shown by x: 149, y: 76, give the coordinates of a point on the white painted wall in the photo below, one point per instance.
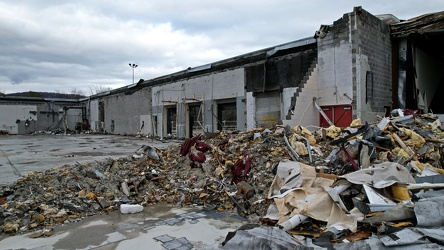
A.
x: 335, y: 74
x: 222, y: 85
x: 287, y: 95
x: 251, y: 107
x: 363, y: 109
x: 305, y: 112
x: 145, y: 120
x: 73, y: 116
x: 94, y: 115
x: 9, y: 114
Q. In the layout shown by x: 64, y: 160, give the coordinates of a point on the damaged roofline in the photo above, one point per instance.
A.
x: 222, y: 64
x: 428, y: 23
x: 290, y: 45
x: 37, y: 99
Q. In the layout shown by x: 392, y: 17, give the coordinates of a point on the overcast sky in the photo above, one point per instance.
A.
x: 61, y: 46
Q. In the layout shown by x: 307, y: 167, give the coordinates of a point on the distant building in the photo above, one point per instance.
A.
x: 24, y: 115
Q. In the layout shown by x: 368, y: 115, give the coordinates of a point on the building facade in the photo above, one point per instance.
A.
x: 360, y: 66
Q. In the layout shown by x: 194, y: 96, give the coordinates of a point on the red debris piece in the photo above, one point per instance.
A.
x: 202, y: 146
x: 186, y: 145
x: 197, y: 156
x: 240, y: 169
x: 224, y: 142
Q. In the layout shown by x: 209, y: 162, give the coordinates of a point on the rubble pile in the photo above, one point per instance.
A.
x: 346, y: 183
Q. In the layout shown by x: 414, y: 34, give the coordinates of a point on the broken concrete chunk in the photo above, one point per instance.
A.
x: 300, y: 148
x: 125, y: 188
x: 130, y: 209
x: 102, y: 202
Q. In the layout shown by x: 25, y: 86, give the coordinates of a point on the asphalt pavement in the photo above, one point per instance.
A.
x: 157, y: 227
x: 20, y: 154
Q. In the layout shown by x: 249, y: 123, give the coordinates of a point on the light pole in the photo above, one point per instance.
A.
x: 133, y: 65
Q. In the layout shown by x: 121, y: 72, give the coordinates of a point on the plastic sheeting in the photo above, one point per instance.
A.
x: 381, y: 175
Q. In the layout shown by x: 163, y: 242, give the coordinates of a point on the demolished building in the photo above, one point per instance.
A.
x: 360, y: 66
x: 370, y: 185
x: 25, y: 115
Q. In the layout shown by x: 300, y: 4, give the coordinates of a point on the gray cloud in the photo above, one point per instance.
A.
x: 49, y: 45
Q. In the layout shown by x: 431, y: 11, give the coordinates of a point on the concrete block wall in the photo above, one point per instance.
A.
x: 371, y: 46
x: 125, y: 110
x: 356, y: 46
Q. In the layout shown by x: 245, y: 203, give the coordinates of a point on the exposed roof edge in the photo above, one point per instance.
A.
x: 37, y: 99
x: 388, y: 18
x: 192, y: 71
x: 294, y: 44
x: 427, y: 23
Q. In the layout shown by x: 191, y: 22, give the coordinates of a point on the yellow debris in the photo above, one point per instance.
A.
x: 416, y: 141
x: 423, y: 165
x: 400, y: 152
x: 300, y: 148
x: 333, y: 131
x: 90, y: 195
x: 307, y: 134
x: 356, y: 122
x: 220, y: 172
x: 435, y: 125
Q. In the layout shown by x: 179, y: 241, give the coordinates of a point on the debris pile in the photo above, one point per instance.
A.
x: 332, y: 186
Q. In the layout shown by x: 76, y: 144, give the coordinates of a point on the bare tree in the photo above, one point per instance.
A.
x: 77, y: 92
x: 96, y: 89
x: 73, y: 93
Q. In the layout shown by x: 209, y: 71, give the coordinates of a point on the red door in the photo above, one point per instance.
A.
x: 340, y: 115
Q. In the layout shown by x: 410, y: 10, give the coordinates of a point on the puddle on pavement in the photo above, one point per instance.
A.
x: 120, y: 231
x: 90, y: 153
